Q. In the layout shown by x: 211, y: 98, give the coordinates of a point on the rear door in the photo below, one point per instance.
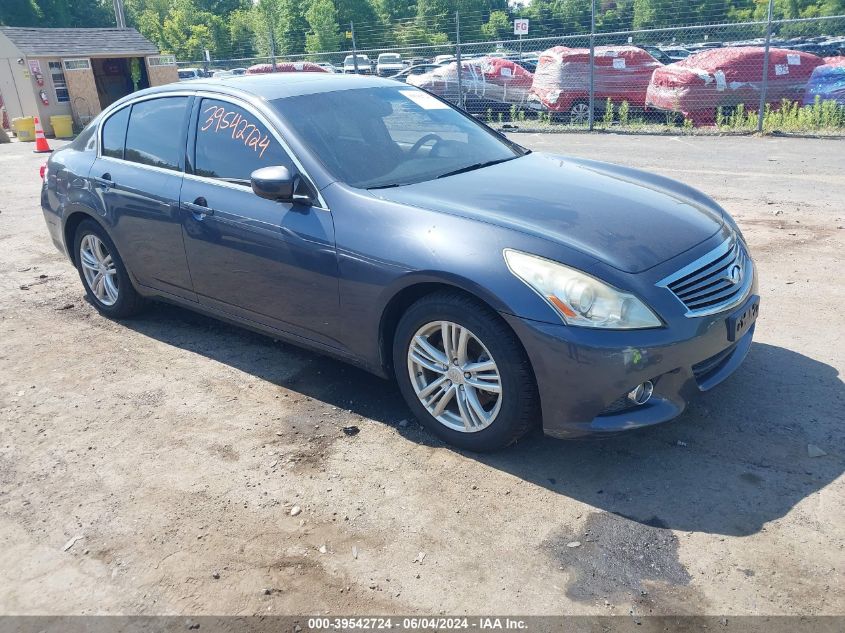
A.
x: 261, y: 260
x: 137, y: 177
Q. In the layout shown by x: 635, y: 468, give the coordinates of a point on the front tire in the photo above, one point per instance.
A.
x: 464, y: 373
x: 103, y: 273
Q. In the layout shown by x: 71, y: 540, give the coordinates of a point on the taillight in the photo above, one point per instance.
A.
x: 43, y: 171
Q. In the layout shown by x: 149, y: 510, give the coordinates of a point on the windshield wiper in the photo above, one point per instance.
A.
x: 388, y: 186
x: 475, y: 166
x: 448, y: 173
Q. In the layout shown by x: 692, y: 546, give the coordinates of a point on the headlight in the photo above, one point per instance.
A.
x: 579, y: 298
x: 732, y: 223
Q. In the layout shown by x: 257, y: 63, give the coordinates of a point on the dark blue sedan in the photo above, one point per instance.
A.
x: 503, y: 289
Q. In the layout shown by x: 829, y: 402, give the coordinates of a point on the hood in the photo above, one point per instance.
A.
x: 629, y: 219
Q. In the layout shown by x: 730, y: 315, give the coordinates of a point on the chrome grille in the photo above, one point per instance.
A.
x: 715, y: 282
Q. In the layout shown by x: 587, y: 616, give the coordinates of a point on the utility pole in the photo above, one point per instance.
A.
x: 593, y: 62
x: 271, y: 33
x: 272, y: 47
x: 764, y: 86
x: 119, y: 14
x: 354, y: 47
x: 458, y: 58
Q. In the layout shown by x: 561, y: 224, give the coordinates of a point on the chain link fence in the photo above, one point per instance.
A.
x: 773, y: 75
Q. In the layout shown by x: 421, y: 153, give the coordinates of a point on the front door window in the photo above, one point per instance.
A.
x: 232, y: 143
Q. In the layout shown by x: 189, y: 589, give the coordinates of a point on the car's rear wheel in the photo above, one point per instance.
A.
x: 103, y: 273
x: 464, y: 373
x: 579, y: 112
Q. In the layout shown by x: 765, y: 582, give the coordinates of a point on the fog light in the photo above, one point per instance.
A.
x: 641, y: 393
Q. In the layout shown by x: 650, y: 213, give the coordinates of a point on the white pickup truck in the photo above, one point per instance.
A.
x: 389, y: 64
x: 364, y: 64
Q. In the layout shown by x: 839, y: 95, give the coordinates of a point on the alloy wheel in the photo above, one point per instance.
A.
x: 579, y: 114
x: 99, y: 269
x: 454, y: 376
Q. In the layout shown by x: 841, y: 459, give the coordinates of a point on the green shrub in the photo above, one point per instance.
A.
x: 608, y: 113
x: 624, y: 113
x: 787, y: 116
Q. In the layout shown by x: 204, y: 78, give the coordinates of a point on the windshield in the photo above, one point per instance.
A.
x: 389, y: 59
x: 391, y: 136
x: 351, y: 60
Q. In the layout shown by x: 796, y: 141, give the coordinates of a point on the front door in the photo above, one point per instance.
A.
x: 269, y: 262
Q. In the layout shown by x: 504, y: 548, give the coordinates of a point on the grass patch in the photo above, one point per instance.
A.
x: 789, y: 116
x: 821, y: 117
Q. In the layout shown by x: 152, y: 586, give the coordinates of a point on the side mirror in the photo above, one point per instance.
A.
x: 273, y: 183
x: 276, y: 183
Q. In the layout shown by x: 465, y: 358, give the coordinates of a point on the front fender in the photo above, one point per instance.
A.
x: 441, y: 278
x: 385, y: 247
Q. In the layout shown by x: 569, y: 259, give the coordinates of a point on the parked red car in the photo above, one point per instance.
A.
x: 699, y: 85
x: 286, y: 67
x: 562, y: 80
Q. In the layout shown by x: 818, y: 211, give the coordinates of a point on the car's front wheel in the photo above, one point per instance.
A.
x: 464, y: 373
x: 103, y: 273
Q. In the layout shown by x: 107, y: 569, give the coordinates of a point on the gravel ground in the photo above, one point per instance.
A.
x: 172, y: 464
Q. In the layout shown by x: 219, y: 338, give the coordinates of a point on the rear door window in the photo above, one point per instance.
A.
x: 114, y: 133
x: 231, y: 143
x: 155, y: 135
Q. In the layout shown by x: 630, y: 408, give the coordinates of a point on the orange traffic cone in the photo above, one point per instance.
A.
x: 41, y: 146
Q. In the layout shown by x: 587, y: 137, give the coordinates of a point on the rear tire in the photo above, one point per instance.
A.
x: 579, y: 112
x: 493, y: 400
x: 103, y: 273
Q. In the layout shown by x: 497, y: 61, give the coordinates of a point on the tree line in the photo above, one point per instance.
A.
x: 247, y: 28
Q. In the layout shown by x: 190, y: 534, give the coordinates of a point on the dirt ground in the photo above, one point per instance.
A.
x: 152, y: 466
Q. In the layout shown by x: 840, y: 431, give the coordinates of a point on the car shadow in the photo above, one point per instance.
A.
x: 736, y: 460
x: 308, y: 373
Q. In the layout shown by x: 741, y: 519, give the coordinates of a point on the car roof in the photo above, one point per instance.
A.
x: 272, y: 86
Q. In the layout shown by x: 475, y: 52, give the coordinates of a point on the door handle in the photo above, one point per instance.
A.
x: 198, y: 206
x: 104, y: 181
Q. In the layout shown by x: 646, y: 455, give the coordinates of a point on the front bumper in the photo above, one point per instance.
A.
x: 582, y: 374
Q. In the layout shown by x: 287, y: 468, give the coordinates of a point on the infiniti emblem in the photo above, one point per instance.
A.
x: 735, y: 274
